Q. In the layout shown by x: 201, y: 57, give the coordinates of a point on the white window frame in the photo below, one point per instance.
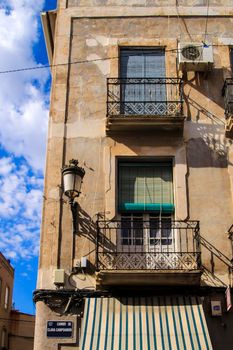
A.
x: 4, y: 337
x: 6, y: 297
x: 143, y: 241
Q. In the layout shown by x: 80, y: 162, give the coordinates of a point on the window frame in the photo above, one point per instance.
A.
x: 142, y: 80
x: 157, y: 234
x: 143, y: 160
x: 6, y: 297
x: 3, y: 338
x: 143, y: 47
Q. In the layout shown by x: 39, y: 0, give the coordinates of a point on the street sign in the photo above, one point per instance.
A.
x: 59, y: 329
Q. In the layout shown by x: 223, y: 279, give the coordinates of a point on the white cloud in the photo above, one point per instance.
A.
x: 6, y: 166
x: 24, y: 131
x: 23, y: 119
x: 23, y: 103
x: 20, y: 210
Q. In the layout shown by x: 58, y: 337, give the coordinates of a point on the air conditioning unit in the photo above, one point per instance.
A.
x: 195, y: 57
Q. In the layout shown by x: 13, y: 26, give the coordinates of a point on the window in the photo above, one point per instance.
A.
x: 142, y: 63
x: 139, y: 91
x: 6, y: 300
x: 160, y: 231
x: 147, y: 230
x: 132, y: 229
x: 145, y: 187
x: 145, y: 202
x: 3, y: 341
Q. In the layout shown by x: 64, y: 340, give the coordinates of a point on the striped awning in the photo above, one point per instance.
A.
x: 149, y: 323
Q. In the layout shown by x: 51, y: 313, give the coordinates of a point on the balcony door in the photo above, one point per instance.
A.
x: 146, y: 238
x: 143, y: 91
x: 146, y: 233
x: 146, y: 241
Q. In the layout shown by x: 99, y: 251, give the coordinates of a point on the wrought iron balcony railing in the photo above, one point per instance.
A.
x: 148, y: 245
x: 228, y: 97
x: 144, y: 97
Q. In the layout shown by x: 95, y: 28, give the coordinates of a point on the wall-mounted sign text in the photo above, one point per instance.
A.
x: 59, y: 329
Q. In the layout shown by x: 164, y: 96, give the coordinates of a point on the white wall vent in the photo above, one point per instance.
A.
x: 195, y: 57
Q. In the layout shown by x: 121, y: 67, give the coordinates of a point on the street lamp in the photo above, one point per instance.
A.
x: 72, y: 181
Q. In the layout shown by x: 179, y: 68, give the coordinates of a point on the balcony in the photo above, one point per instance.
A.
x: 155, y: 252
x: 228, y: 97
x: 144, y: 103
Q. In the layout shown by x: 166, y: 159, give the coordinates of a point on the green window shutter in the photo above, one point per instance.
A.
x: 145, y: 187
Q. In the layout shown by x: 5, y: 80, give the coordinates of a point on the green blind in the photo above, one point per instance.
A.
x: 145, y: 187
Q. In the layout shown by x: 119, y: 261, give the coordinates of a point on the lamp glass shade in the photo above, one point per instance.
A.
x: 72, y: 181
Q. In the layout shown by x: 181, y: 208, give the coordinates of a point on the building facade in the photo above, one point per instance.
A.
x: 22, y: 327
x: 16, y: 328
x: 6, y: 290
x: 142, y: 97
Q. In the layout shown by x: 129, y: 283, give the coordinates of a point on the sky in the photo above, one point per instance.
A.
x: 24, y: 108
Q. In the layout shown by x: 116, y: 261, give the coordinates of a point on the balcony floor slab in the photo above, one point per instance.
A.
x: 148, y: 277
x: 124, y: 123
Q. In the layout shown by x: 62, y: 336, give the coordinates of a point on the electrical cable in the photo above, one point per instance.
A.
x: 206, y: 23
x: 14, y: 320
x: 84, y: 61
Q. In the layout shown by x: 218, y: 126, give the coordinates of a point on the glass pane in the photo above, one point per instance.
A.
x: 126, y: 231
x: 155, y: 68
x: 154, y: 63
x: 6, y: 297
x: 155, y: 235
x: 3, y: 342
x: 132, y: 64
x: 166, y: 231
x: 138, y: 231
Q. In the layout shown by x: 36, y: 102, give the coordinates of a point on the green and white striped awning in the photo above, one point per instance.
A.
x: 145, y: 323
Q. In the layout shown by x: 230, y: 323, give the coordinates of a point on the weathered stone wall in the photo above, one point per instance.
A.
x: 148, y: 3
x: 202, y: 183
x: 203, y: 158
x: 96, y: 42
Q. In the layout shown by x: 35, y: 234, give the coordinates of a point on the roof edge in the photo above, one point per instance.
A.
x: 48, y: 20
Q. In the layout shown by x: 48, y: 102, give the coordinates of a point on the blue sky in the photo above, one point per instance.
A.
x: 24, y: 105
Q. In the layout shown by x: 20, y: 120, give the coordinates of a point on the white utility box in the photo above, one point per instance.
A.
x: 59, y: 277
